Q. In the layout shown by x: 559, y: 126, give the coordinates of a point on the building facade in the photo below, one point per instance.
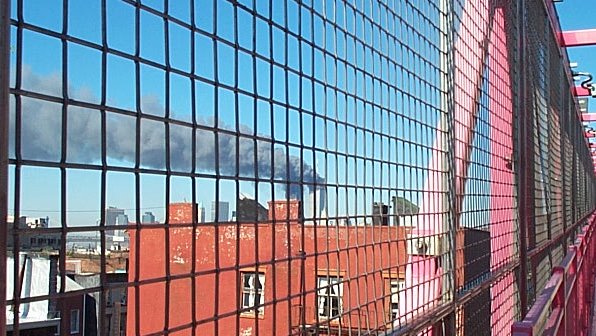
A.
x: 54, y: 316
x: 33, y: 237
x: 277, y: 276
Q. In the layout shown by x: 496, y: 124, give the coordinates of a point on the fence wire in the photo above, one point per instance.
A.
x: 297, y: 167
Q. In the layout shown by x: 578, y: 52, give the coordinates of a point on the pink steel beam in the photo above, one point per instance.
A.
x: 578, y: 38
x: 502, y: 179
x: 579, y: 91
x: 423, y: 275
x: 588, y: 116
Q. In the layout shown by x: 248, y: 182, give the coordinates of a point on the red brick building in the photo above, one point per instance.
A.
x: 259, y: 277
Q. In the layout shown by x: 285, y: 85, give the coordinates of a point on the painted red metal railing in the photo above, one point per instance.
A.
x: 459, y: 114
x: 564, y: 305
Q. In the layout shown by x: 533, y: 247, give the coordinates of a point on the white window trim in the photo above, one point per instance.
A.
x: 394, y: 294
x: 256, y: 308
x: 325, y: 283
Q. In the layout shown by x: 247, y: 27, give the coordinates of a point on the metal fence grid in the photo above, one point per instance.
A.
x: 260, y: 167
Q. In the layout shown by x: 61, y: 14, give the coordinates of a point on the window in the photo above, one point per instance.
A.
x: 74, y: 321
x: 253, y: 298
x: 329, y: 296
x: 395, y: 286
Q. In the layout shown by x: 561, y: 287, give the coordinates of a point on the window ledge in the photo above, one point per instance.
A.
x: 252, y: 316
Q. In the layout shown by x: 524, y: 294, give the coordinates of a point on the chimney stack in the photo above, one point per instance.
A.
x: 284, y: 210
x: 53, y: 287
x: 181, y: 213
x: 380, y: 214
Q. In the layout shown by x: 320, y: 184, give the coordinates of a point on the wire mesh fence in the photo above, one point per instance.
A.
x: 259, y: 167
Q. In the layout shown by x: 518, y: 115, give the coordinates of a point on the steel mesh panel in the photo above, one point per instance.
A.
x: 240, y: 103
x: 286, y: 167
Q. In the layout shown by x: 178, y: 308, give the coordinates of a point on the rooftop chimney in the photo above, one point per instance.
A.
x: 380, y: 212
x: 53, y: 287
x: 181, y: 213
x: 284, y: 210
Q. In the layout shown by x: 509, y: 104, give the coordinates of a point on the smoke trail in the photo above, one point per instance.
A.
x: 41, y: 133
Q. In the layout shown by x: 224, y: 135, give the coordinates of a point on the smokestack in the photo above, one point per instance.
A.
x: 53, y: 287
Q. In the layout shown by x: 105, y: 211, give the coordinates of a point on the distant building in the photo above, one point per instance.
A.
x: 315, y: 207
x: 404, y: 211
x: 318, y: 203
x: 250, y: 210
x: 224, y: 211
x: 201, y: 213
x: 122, y: 219
x: 112, y: 214
x: 148, y: 218
x: 35, y: 238
x: 116, y: 238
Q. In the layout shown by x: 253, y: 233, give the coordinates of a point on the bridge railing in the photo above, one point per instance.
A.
x: 368, y: 166
x: 564, y: 306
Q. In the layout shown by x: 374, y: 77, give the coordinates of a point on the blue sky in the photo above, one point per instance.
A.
x: 42, y: 56
x: 575, y: 15
x: 42, y: 59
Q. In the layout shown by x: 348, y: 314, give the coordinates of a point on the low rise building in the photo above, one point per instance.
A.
x: 54, y: 316
x: 277, y: 276
x: 33, y: 234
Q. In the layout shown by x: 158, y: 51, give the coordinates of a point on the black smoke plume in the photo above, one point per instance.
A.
x: 41, y: 134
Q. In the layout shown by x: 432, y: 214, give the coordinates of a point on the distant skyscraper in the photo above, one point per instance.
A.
x: 118, y: 236
x: 316, y: 205
x: 201, y: 213
x: 121, y: 219
x: 111, y: 214
x: 224, y: 211
x: 148, y: 217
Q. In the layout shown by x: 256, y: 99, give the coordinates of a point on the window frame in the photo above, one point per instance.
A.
x: 78, y: 320
x: 327, y: 275
x: 388, y: 278
x: 257, y: 310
